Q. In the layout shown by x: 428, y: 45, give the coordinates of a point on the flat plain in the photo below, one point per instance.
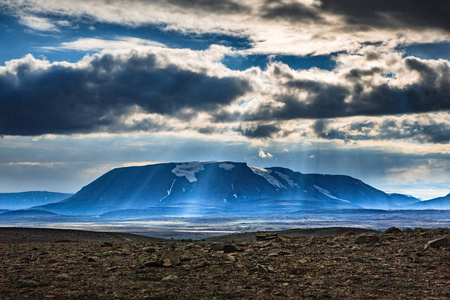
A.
x: 330, y: 263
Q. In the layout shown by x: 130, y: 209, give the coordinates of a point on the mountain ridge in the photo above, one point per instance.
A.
x: 24, y: 200
x: 222, y: 186
x: 436, y: 203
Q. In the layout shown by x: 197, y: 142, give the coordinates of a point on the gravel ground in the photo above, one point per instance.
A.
x: 408, y: 264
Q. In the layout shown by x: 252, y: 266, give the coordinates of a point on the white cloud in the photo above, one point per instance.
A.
x: 37, y: 23
x: 64, y: 23
x: 263, y: 154
x: 95, y: 44
x: 325, y: 34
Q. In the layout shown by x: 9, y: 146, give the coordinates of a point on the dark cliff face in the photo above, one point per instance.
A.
x: 219, y: 185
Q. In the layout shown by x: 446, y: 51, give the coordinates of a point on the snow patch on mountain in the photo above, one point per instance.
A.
x: 287, y: 179
x: 328, y: 194
x: 266, y: 175
x: 168, y: 191
x: 226, y: 166
x: 188, y: 170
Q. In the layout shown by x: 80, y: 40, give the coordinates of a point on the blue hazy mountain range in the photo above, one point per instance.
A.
x: 437, y: 203
x: 10, y: 201
x: 205, y: 188
x: 210, y: 188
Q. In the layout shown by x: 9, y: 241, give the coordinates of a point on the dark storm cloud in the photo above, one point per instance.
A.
x: 259, y: 131
x: 356, y: 74
x: 324, y: 101
x: 206, y: 130
x: 292, y: 12
x: 362, y: 127
x: 431, y: 93
x: 430, y: 132
x: 397, y: 14
x: 320, y: 129
x: 222, y: 6
x: 70, y: 100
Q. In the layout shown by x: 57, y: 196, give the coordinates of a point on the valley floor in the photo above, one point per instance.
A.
x: 336, y: 264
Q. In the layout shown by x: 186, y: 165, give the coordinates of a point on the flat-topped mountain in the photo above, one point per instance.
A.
x: 217, y: 187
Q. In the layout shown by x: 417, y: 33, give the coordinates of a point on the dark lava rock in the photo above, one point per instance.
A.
x: 217, y: 246
x: 29, y: 283
x: 266, y: 237
x: 149, y: 249
x: 392, y: 230
x: 201, y: 265
x: 366, y: 239
x: 153, y: 264
x: 229, y: 249
x: 437, y: 243
x: 170, y: 258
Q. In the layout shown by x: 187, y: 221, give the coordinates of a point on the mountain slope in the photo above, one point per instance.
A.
x: 436, y: 203
x: 402, y: 200
x: 218, y: 186
x: 28, y: 199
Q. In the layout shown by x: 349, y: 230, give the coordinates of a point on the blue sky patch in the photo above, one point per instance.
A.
x: 244, y: 62
x: 429, y: 51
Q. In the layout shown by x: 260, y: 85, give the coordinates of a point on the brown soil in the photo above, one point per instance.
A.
x: 339, y: 265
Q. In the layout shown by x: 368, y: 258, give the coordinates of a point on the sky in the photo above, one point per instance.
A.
x: 354, y: 87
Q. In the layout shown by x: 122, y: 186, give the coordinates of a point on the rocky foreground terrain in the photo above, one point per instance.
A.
x: 339, y: 263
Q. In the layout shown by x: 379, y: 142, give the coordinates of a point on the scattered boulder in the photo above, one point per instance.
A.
x: 63, y: 276
x: 189, y: 246
x: 149, y: 249
x: 348, y: 233
x: 29, y: 283
x: 92, y: 259
x: 230, y: 258
x: 201, y: 264
x: 266, y: 237
x: 284, y: 252
x: 392, y: 230
x: 227, y: 259
x: 170, y: 278
x: 170, y: 258
x: 229, y: 249
x: 264, y: 269
x: 217, y: 246
x: 153, y: 264
x: 366, y: 239
x: 437, y: 243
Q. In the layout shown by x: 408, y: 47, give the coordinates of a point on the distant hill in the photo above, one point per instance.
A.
x: 402, y: 200
x: 220, y: 187
x: 437, y: 203
x: 21, y: 235
x: 29, y: 199
x: 27, y: 213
